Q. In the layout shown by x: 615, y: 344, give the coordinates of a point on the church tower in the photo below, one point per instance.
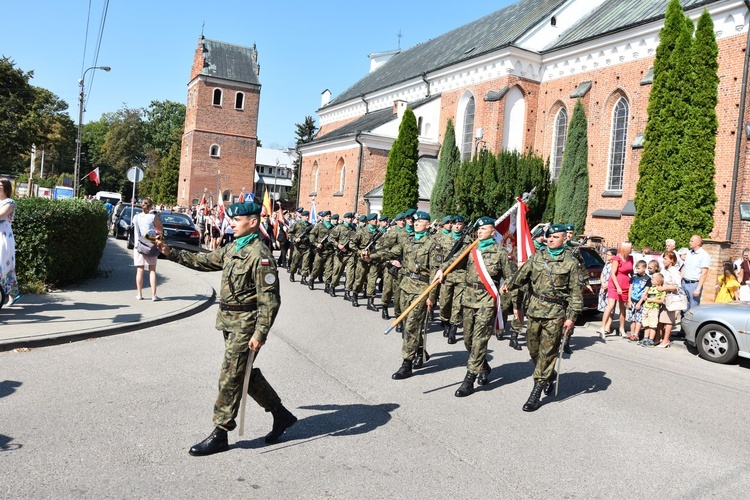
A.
x: 221, y: 123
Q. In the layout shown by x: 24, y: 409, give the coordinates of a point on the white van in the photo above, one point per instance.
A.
x: 109, y: 196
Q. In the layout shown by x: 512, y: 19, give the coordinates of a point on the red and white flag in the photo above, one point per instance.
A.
x: 514, y: 235
x: 94, y: 176
x: 489, y: 285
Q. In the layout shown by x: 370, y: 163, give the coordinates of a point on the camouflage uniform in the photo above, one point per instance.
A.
x: 452, y: 287
x: 555, y: 295
x: 367, y: 272
x: 392, y: 277
x: 323, y: 262
x: 302, y: 250
x: 249, y: 301
x: 340, y: 235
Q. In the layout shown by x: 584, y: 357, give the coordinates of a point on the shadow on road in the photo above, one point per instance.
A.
x: 579, y: 383
x: 8, y: 387
x: 6, y: 445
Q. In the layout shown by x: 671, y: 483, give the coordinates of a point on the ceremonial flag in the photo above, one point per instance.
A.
x: 94, y: 176
x: 313, y: 213
x: 221, y: 208
x: 514, y: 235
x: 489, y: 285
x: 266, y: 205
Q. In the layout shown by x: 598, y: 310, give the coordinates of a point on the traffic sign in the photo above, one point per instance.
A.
x: 135, y: 174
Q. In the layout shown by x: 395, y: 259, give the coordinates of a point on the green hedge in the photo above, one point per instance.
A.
x: 58, y: 242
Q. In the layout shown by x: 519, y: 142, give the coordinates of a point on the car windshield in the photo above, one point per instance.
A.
x: 591, y: 259
x: 176, y: 220
x: 127, y: 213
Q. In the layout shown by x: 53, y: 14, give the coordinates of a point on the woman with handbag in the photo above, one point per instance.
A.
x: 146, y: 225
x: 673, y: 300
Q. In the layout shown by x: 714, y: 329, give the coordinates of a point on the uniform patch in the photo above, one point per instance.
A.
x: 270, y: 279
x: 265, y: 262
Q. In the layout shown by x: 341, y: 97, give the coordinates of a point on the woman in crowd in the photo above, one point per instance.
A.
x: 146, y: 223
x: 728, y: 285
x: 8, y: 281
x: 672, y: 282
x: 618, y: 288
x: 606, y: 273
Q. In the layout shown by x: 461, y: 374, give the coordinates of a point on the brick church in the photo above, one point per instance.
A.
x: 221, y: 123
x: 510, y: 80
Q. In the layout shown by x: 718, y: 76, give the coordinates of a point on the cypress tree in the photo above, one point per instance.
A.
x: 443, y: 198
x: 539, y: 177
x: 470, y: 190
x: 572, y: 196
x: 401, y: 188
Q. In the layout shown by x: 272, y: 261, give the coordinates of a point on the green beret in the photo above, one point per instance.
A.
x: 335, y: 216
x: 362, y: 218
x: 555, y: 228
x: 538, y: 232
x: 398, y: 216
x: 459, y: 218
x: 422, y: 216
x: 383, y: 218
x: 569, y: 227
x: 305, y: 213
x: 348, y: 214
x: 483, y: 221
x: 410, y: 212
x: 372, y: 216
x: 447, y: 220
x: 325, y: 213
x: 236, y: 209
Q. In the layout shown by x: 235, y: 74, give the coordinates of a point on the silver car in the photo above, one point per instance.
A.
x: 721, y: 332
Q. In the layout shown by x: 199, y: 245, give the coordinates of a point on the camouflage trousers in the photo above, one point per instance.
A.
x: 543, y: 339
x: 478, y: 328
x: 352, y: 263
x: 451, y: 295
x: 323, y: 264
x: 231, y: 379
x: 340, y: 262
x: 509, y: 302
x: 413, y: 325
x: 392, y: 291
x: 301, y: 261
x: 367, y: 273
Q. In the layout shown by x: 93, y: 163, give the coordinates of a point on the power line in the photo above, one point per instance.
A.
x: 98, y: 47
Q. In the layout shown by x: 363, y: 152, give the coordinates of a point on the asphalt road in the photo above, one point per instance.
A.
x: 115, y: 416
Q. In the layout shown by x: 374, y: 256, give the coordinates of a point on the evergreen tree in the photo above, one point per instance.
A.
x: 401, y: 188
x: 443, y: 198
x: 572, y: 193
x: 305, y: 132
x: 538, y: 177
x: 470, y: 189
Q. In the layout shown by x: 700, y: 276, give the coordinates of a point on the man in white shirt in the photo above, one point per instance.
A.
x: 694, y: 271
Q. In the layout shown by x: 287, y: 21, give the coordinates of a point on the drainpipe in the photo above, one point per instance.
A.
x: 359, y: 169
x: 740, y: 132
x: 424, y: 78
x: 367, y: 107
x: 299, y: 176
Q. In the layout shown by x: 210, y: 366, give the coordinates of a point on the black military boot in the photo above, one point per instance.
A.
x: 403, y: 372
x: 303, y: 280
x: 327, y: 289
x: 484, y: 374
x: 446, y: 328
x: 566, y: 345
x: 549, y: 387
x: 332, y: 291
x: 291, y: 277
x: 282, y: 420
x: 467, y: 387
x: 452, y: 334
x: 347, y: 296
x: 419, y: 358
x: 384, y: 312
x: 514, y: 340
x: 371, y: 304
x: 500, y: 334
x: 311, y: 283
x: 355, y: 302
x: 214, y: 443
x: 400, y: 328
x: 532, y: 404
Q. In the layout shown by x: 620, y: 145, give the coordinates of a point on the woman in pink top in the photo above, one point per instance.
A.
x: 618, y: 287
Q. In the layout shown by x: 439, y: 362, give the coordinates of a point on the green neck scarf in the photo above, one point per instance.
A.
x: 486, y: 243
x: 456, y: 235
x: 419, y: 235
x: 372, y: 228
x: 445, y: 231
x: 243, y: 241
x: 327, y: 224
x: 538, y: 245
x: 556, y: 252
x: 409, y: 229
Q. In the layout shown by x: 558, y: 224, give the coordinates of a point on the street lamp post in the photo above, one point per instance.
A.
x: 77, y: 168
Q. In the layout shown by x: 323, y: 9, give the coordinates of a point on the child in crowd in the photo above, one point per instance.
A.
x: 639, y: 283
x: 653, y: 267
x: 729, y: 285
x: 654, y: 300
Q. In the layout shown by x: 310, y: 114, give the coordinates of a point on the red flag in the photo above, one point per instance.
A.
x: 514, y: 235
x: 94, y: 176
x: 221, y: 208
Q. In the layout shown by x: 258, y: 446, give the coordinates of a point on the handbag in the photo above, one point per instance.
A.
x: 676, y: 301
x: 146, y: 247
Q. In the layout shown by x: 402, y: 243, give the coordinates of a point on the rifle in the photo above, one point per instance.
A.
x: 424, y: 338
x: 559, y: 359
x: 373, y: 239
x: 460, y: 241
x: 305, y: 233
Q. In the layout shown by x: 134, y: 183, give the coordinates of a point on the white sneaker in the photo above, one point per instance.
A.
x: 156, y: 298
x: 139, y: 297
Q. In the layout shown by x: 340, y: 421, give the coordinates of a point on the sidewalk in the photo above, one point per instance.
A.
x: 104, y: 305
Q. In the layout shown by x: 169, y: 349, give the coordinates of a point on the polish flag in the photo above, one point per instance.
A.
x: 514, y: 235
x: 94, y: 176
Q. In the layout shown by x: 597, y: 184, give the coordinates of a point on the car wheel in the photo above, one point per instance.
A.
x: 717, y: 344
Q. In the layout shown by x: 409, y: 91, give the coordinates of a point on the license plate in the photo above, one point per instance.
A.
x: 595, y: 281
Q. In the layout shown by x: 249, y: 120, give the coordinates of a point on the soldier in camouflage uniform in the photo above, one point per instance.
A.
x: 323, y: 262
x: 418, y: 259
x: 354, y: 263
x: 299, y: 234
x: 480, y: 304
x: 554, y: 304
x: 452, y: 287
x: 367, y: 273
x: 339, y: 239
x: 391, y: 278
x: 249, y: 301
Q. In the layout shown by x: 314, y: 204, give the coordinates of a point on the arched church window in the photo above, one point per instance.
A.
x: 558, y: 142
x: 217, y: 97
x: 618, y: 145
x: 239, y: 100
x: 215, y: 151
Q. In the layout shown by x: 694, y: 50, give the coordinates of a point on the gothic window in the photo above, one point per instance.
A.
x: 342, y: 174
x: 515, y: 120
x: 239, y: 101
x: 618, y: 145
x: 467, y: 135
x: 215, y: 151
x: 217, y: 97
x: 558, y: 142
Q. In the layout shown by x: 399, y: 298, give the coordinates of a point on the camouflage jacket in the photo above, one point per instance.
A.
x: 554, y: 284
x: 419, y: 263
x: 318, y: 234
x: 340, y: 235
x: 362, y: 237
x: 458, y: 273
x: 296, y: 231
x: 248, y: 278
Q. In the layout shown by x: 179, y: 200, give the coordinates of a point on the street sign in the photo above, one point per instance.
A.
x: 135, y: 174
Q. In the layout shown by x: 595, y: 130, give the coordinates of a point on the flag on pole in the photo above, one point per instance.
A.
x: 313, y: 213
x: 266, y: 205
x: 279, y: 223
x: 220, y: 204
x: 514, y: 235
x: 202, y: 206
x: 94, y: 176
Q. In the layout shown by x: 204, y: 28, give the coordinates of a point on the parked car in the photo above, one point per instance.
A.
x: 594, y: 264
x: 122, y: 221
x: 178, y: 228
x: 719, y: 331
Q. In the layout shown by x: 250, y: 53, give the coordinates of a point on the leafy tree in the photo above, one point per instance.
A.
x: 124, y: 147
x: 443, y: 198
x: 470, y: 190
x: 401, y: 188
x: 572, y: 192
x: 163, y: 118
x: 304, y: 133
x: 167, y: 177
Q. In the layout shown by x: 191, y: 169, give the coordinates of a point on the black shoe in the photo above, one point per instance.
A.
x: 403, y: 372
x: 311, y: 283
x: 332, y: 291
x: 291, y: 277
x: 550, y: 387
x: 418, y: 359
x: 327, y: 289
x: 452, y: 334
x: 566, y: 345
x: 532, y: 404
x: 484, y: 374
x: 514, y: 340
x: 214, y: 443
x: 384, y: 312
x: 371, y: 304
x: 347, y: 296
x: 303, y: 280
x: 399, y: 328
x: 500, y: 334
x: 355, y: 302
x: 446, y: 328
x: 467, y: 387
x: 282, y: 420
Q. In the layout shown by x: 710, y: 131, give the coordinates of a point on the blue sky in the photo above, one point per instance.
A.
x: 304, y: 47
